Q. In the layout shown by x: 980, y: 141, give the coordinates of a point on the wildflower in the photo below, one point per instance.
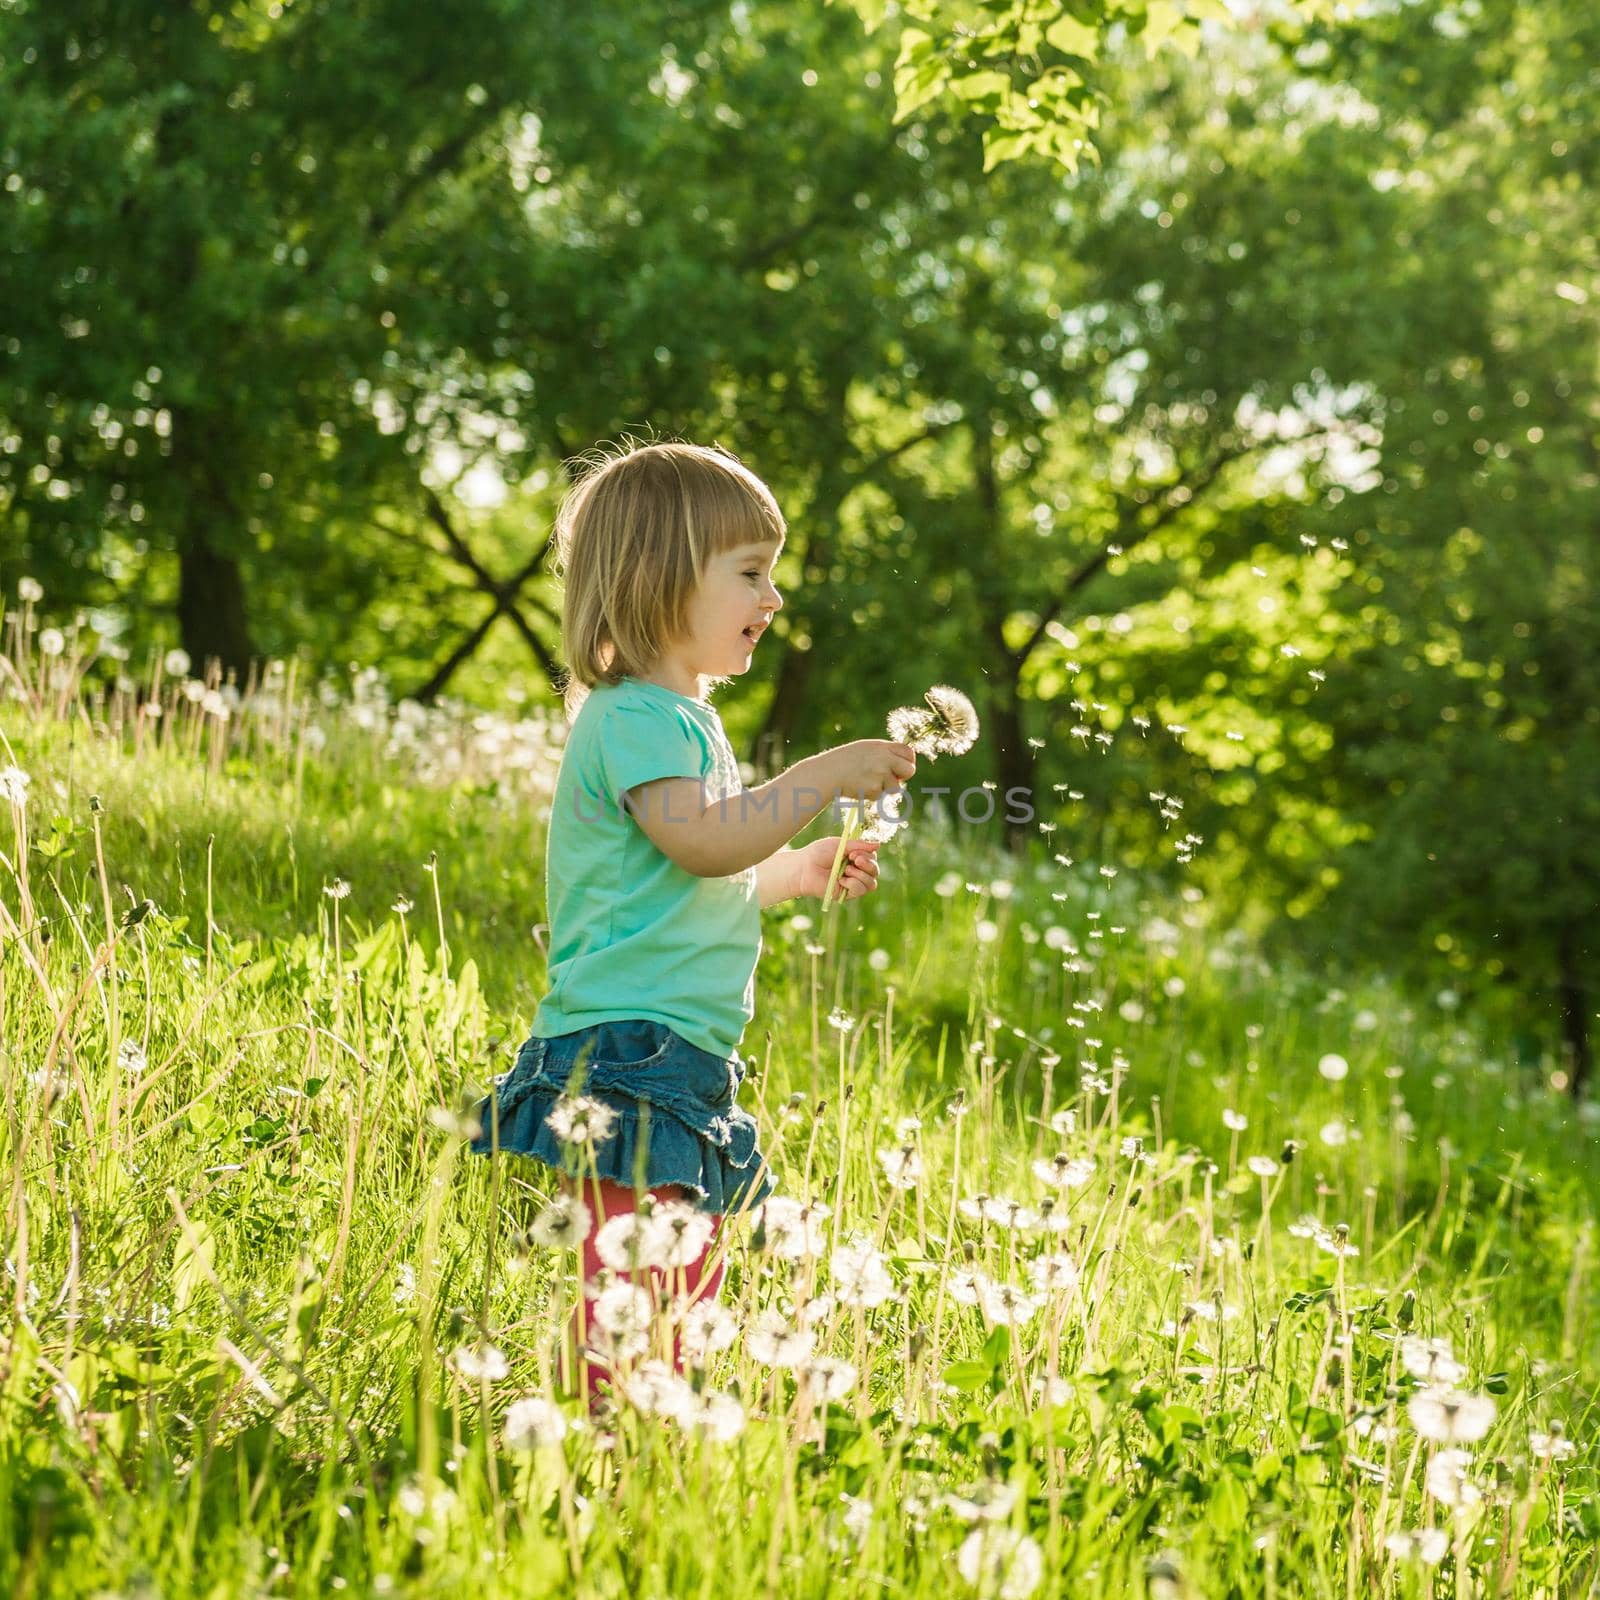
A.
x: 337, y: 890
x: 947, y: 723
x: 534, y: 1423
x: 481, y: 1362
x: 401, y: 904
x: 630, y: 1242
x: 177, y: 663
x: 815, y: 1310
x: 966, y: 1285
x: 578, y: 1119
x: 655, y: 1389
x: 1133, y: 1149
x: 131, y: 1057
x: 1064, y: 1122
x: 1337, y: 1243
x: 718, y: 1416
x: 620, y: 1315
x: 990, y: 1501
x: 1235, y: 1120
x: 986, y: 931
x: 1430, y: 1359
x: 1428, y: 1545
x: 829, y: 1378
x: 51, y: 642
x: 862, y: 1274
x: 456, y: 1124
x: 1334, y: 1133
x: 1005, y: 1302
x: 792, y: 1231
x: 708, y: 1326
x: 1447, y: 1479
x: 1054, y: 1271
x: 841, y: 1020
x: 14, y: 785
x: 1333, y: 1068
x: 878, y: 960
x: 1263, y: 1166
x: 1552, y: 1446
x: 1001, y: 1562
x: 1449, y: 1416
x: 1306, y: 1227
x: 857, y: 1518
x: 405, y: 1288
x: 907, y: 1128
x: 29, y: 590
x: 682, y: 1234
x: 902, y: 1167
x: 563, y: 1224
x: 772, y: 1341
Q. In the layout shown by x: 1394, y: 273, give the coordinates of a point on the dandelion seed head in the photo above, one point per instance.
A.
x: 1451, y: 1416
x: 534, y: 1423
x: 578, y: 1119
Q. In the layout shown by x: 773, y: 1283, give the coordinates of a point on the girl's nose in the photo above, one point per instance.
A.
x: 774, y: 599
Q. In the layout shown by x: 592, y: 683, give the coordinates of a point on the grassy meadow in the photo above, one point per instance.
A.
x: 1134, y: 1263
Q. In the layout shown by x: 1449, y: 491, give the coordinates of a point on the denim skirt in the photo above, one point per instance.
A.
x: 674, y: 1118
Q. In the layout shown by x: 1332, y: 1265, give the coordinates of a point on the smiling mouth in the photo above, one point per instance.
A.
x: 754, y: 632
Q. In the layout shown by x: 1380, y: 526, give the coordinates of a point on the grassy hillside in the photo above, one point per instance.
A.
x: 1313, y: 1275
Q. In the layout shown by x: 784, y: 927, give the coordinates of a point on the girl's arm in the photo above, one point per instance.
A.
x: 777, y: 878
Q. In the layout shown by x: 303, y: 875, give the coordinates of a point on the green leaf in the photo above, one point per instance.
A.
x: 1073, y: 38
x: 968, y: 1376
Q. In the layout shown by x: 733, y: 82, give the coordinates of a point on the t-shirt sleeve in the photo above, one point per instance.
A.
x: 639, y: 745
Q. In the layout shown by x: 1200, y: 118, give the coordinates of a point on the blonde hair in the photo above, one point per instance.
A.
x: 633, y: 537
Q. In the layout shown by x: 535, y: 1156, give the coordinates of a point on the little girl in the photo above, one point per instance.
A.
x: 658, y: 860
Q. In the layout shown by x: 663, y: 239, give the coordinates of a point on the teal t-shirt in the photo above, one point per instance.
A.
x: 632, y: 934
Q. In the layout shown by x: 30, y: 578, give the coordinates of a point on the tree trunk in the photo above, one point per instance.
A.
x: 789, y: 697
x: 1015, y: 764
x: 211, y: 607
x: 1574, y: 1012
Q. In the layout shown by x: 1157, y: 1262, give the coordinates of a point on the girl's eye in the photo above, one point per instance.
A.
x: 752, y: 574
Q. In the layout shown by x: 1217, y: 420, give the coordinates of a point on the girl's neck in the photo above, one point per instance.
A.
x: 665, y: 674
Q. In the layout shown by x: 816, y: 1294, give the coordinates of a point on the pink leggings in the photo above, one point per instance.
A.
x: 698, y: 1281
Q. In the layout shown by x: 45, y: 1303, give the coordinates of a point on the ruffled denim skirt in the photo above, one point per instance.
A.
x: 675, y: 1121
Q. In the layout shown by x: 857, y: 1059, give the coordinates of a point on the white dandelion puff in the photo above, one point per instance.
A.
x: 534, y: 1423
x: 1451, y: 1416
x: 579, y: 1119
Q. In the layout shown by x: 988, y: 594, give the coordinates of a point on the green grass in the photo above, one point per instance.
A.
x: 241, y: 1254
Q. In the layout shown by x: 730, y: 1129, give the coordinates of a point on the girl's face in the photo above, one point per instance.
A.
x: 728, y: 613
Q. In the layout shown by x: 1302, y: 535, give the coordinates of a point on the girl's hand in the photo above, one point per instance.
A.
x: 858, y: 875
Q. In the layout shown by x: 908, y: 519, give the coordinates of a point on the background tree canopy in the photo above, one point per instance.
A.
x: 1212, y: 391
